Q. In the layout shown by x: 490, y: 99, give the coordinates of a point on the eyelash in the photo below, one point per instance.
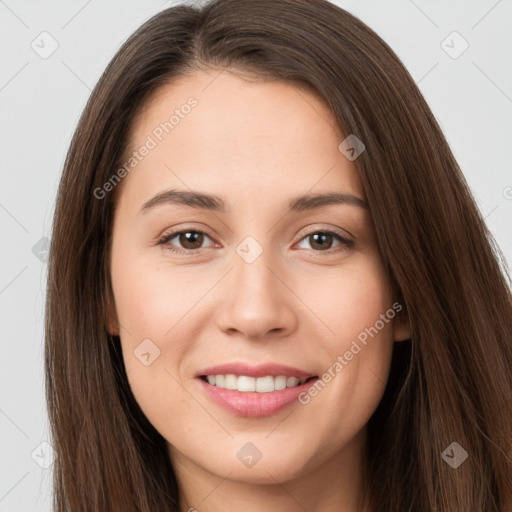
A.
x: 344, y: 243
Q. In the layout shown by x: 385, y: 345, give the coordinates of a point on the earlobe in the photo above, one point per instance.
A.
x: 113, y: 328
x: 111, y: 321
x: 112, y: 324
x: 401, y: 327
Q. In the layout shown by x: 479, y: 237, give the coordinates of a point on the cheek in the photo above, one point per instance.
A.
x: 149, y: 302
x: 348, y: 300
x: 149, y: 310
x: 157, y: 307
x: 357, y: 318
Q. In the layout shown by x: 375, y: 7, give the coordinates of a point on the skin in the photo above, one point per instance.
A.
x: 256, y: 144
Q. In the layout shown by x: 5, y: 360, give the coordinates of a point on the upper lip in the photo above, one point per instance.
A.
x: 261, y: 370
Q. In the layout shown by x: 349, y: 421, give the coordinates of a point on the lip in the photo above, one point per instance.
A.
x: 262, y: 370
x: 253, y: 404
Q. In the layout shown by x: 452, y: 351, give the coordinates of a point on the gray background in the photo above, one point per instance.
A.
x: 41, y: 100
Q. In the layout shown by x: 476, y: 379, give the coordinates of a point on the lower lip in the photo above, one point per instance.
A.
x: 253, y: 404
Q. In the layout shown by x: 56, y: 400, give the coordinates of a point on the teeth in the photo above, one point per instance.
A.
x: 230, y: 382
x: 260, y: 385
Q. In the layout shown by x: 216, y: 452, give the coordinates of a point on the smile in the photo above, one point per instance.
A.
x: 254, y: 403
x: 245, y: 383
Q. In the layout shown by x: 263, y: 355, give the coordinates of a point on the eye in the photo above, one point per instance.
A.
x: 321, y: 241
x: 190, y: 239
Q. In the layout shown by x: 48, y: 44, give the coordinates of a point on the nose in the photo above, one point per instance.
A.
x: 258, y: 303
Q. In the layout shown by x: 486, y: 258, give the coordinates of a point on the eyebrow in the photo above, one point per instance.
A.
x: 215, y: 203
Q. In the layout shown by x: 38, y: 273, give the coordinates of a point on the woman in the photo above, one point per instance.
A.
x: 269, y: 284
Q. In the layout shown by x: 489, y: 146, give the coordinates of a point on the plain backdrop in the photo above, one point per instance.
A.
x: 42, y: 96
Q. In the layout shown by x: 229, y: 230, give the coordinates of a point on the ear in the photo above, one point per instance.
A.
x: 401, y: 326
x: 111, y: 321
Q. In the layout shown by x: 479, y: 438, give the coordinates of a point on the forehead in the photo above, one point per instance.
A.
x: 220, y: 131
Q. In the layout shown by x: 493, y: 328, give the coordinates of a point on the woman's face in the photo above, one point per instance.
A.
x: 253, y: 277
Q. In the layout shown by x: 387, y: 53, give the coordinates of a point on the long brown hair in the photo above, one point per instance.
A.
x: 450, y: 383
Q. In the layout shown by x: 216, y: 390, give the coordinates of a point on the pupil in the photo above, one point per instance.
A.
x: 322, y: 236
x: 191, y: 237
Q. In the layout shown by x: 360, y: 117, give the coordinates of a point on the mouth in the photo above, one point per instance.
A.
x: 247, y: 396
x: 248, y: 384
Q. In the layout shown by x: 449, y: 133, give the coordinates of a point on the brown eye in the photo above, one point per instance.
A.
x: 185, y: 240
x: 191, y: 239
x: 322, y: 241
